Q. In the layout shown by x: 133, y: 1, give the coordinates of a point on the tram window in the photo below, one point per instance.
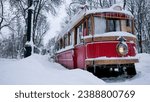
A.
x: 65, y: 40
x: 81, y: 30
x: 114, y: 25
x: 57, y: 46
x: 70, y: 39
x: 79, y: 33
x: 128, y: 23
x: 84, y: 29
x: 61, y: 44
x: 100, y: 25
x: 89, y: 26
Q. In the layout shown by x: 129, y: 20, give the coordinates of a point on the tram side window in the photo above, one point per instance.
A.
x: 69, y: 37
x: 57, y: 46
x: 61, y: 43
x: 114, y: 25
x: 84, y: 28
x: 100, y: 25
x: 89, y: 26
x: 79, y: 33
x: 66, y: 40
x: 71, y: 34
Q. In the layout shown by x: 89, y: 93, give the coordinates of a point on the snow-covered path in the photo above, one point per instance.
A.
x: 37, y: 70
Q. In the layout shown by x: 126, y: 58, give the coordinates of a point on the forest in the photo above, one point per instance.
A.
x: 14, y: 22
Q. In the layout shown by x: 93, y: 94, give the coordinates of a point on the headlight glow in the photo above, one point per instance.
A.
x: 122, y: 49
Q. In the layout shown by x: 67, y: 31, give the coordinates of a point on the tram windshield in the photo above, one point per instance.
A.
x: 102, y: 25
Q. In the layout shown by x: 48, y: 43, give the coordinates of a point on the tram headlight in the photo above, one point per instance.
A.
x: 122, y: 49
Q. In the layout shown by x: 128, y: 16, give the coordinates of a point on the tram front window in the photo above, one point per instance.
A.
x: 100, y: 25
x: 113, y: 25
x: 119, y: 25
x: 126, y: 25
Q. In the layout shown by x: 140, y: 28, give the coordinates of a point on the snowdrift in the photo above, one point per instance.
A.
x: 38, y: 70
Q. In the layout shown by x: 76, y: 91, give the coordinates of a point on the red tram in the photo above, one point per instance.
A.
x: 101, y: 41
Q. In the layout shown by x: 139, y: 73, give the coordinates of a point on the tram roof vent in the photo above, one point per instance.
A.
x: 117, y: 7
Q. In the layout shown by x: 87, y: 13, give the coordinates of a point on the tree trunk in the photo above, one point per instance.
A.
x: 28, y: 48
x: 2, y: 13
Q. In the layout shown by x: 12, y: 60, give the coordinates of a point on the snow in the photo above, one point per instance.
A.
x: 29, y: 43
x: 37, y: 69
x: 108, y: 10
x: 65, y: 49
x: 118, y: 33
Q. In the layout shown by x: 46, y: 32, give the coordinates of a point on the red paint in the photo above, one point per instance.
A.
x: 79, y: 56
x: 75, y: 58
x: 66, y: 58
x: 107, y: 49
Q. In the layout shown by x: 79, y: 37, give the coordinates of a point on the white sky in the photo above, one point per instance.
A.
x: 55, y: 21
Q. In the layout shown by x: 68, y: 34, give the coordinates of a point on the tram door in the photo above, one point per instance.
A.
x: 79, y: 53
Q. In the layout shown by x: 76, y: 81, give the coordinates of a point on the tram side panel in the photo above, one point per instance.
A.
x: 69, y: 59
x: 79, y: 56
x: 66, y: 58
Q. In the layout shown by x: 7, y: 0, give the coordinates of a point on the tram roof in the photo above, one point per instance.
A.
x: 81, y: 14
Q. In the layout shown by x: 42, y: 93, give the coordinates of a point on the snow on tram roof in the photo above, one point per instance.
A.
x: 80, y: 15
x: 116, y: 8
x: 108, y: 10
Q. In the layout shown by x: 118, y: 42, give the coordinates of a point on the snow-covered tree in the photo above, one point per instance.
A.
x: 15, y: 19
x: 141, y: 11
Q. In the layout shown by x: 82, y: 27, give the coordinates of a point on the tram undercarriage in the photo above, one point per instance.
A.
x: 113, y: 70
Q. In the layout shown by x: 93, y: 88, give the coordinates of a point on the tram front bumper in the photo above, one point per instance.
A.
x: 110, y: 61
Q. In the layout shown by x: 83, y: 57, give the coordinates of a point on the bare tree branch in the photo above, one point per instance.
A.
x: 2, y: 13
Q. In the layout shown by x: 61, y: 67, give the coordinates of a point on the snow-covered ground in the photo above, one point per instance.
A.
x: 38, y: 70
